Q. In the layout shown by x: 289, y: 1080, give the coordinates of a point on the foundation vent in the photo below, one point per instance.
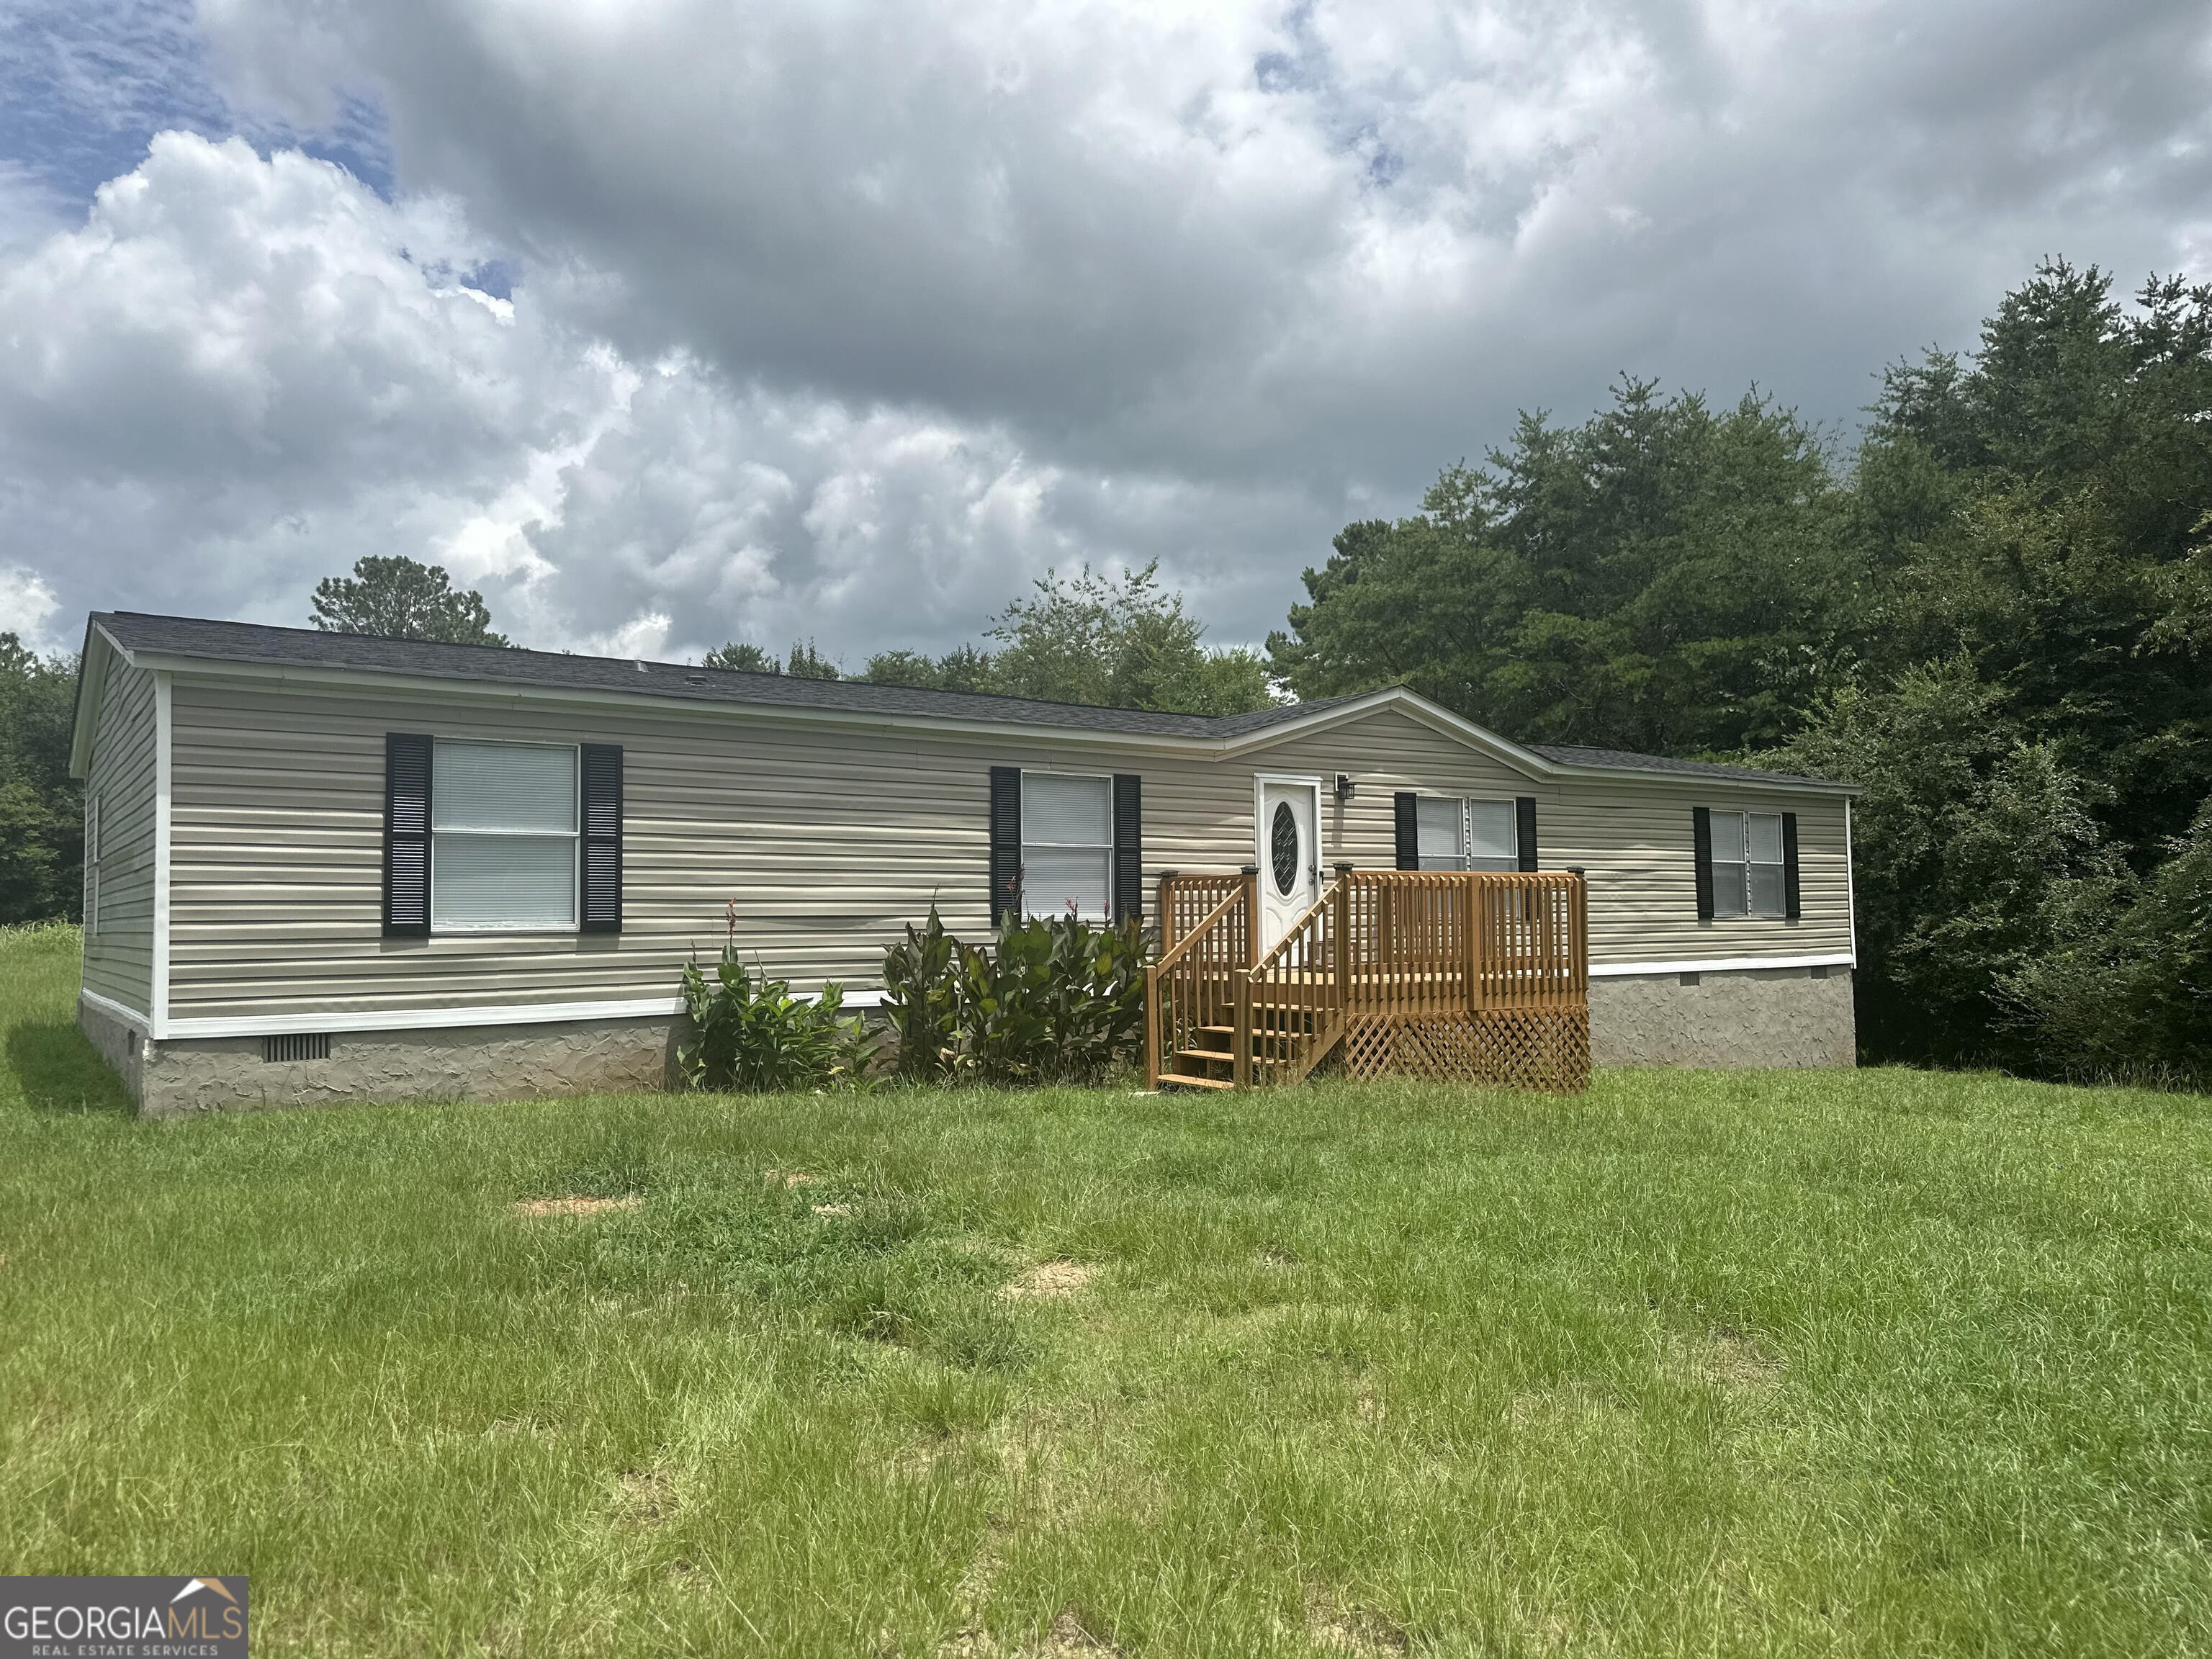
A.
x: 303, y: 1046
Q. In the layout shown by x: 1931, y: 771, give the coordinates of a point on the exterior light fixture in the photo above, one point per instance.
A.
x: 1344, y: 787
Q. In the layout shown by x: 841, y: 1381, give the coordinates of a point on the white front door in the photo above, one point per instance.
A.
x: 1289, y: 852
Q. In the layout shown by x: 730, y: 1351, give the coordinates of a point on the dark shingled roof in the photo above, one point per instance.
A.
x: 492, y: 665
x: 488, y: 665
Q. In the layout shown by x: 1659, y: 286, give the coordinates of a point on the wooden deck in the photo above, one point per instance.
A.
x: 1479, y: 977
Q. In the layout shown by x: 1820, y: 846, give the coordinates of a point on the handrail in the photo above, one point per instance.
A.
x: 1297, y: 992
x: 1179, y: 891
x: 1196, y: 988
x: 1184, y: 946
x: 1291, y: 932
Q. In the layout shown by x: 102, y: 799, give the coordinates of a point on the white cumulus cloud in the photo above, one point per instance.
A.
x: 243, y: 373
x: 841, y: 322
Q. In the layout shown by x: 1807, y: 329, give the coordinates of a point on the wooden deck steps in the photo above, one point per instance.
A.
x: 1478, y: 976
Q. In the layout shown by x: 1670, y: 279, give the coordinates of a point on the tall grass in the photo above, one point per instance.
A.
x: 1877, y: 1363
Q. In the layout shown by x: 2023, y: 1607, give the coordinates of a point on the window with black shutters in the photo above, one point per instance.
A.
x: 503, y: 840
x: 1749, y: 874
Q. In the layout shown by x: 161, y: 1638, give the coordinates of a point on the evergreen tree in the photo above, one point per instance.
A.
x: 402, y: 599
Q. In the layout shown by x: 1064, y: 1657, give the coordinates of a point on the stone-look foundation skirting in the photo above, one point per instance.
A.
x: 470, y: 1062
x: 121, y: 1044
x: 1785, y: 1017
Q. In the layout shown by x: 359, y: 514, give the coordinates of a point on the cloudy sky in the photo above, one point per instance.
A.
x: 665, y: 322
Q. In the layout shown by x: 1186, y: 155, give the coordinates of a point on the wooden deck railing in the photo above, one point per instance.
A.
x: 1477, y: 975
x: 1206, y: 927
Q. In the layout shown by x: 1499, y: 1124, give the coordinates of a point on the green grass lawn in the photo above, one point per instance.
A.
x: 1884, y: 1363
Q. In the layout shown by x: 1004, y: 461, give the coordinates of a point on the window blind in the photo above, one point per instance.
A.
x: 1068, y: 846
x: 503, y: 836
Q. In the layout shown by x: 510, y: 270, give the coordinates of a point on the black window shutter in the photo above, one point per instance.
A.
x: 1524, y: 824
x: 1701, y: 838
x: 406, y: 835
x: 1006, y: 843
x: 602, y: 838
x: 1409, y: 830
x: 1129, y: 846
x: 1789, y: 906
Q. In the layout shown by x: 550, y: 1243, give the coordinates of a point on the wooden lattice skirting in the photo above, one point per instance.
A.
x: 1541, y: 1048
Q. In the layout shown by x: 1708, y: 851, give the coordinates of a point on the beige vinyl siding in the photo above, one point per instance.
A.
x: 827, y: 838
x: 119, y: 945
x: 1636, y: 841
x: 1630, y: 836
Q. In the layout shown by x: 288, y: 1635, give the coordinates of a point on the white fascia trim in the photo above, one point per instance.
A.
x: 1419, y: 708
x: 132, y: 1016
x: 91, y: 691
x: 478, y: 693
x: 1437, y: 718
x: 1850, y: 884
x: 1720, y: 965
x: 341, y: 1023
x: 162, y: 753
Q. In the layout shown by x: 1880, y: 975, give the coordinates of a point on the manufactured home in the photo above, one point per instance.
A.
x: 329, y: 866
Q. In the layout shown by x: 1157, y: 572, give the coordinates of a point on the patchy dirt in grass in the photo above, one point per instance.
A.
x: 973, y: 1640
x: 1352, y: 1629
x: 1051, y: 1280
x: 523, y: 1428
x: 833, y: 1209
x: 1742, y: 1362
x: 1070, y: 1638
x: 789, y: 1178
x: 648, y: 1496
x: 546, y: 1206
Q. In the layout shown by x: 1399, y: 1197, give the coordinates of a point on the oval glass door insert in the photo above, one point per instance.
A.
x: 1282, y: 847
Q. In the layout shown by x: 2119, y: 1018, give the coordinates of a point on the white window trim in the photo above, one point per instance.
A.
x: 479, y: 929
x: 1467, y: 805
x: 1106, y: 778
x: 1745, y: 862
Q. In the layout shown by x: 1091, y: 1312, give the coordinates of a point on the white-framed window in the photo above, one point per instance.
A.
x: 92, y: 862
x: 1747, y: 864
x: 503, y: 841
x: 1068, y: 846
x: 1453, y: 834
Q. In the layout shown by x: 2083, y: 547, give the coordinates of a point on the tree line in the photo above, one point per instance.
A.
x: 1993, y: 610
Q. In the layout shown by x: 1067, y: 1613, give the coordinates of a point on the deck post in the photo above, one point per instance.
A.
x: 1240, y: 1060
x: 1471, y: 889
x: 1341, y: 920
x: 1151, y: 1025
x: 1242, y: 1067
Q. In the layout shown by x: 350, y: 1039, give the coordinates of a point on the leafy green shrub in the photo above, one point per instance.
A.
x: 2127, y: 994
x: 918, y: 999
x: 758, y: 1037
x: 1056, y: 1002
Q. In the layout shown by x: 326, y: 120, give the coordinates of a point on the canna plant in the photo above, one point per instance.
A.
x: 1050, y: 1001
x: 753, y: 1035
x: 920, y: 1002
